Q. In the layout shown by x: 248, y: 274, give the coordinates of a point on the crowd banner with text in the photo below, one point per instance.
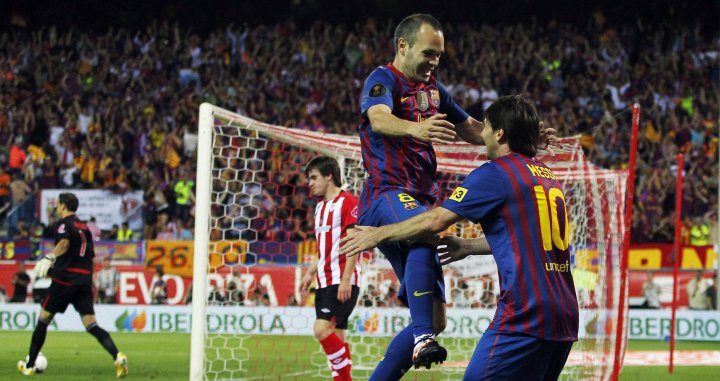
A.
x: 117, y: 250
x: 17, y: 249
x: 107, y: 207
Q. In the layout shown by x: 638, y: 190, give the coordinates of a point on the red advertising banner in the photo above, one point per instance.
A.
x: 657, y: 256
x: 278, y: 282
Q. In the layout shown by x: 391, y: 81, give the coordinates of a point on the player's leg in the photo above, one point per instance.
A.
x: 397, y: 359
x: 83, y: 303
x: 326, y: 308
x: 343, y: 365
x: 557, y: 360
x: 422, y: 279
x: 509, y: 356
x: 55, y: 301
x: 398, y: 356
x: 36, y: 342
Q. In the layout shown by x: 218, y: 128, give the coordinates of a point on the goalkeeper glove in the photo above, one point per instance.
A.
x: 44, y: 265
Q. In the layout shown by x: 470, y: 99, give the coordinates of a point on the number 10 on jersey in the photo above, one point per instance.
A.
x: 549, y: 220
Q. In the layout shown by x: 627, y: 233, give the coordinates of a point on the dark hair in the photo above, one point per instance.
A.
x: 69, y: 200
x: 326, y: 165
x: 517, y: 117
x: 409, y: 26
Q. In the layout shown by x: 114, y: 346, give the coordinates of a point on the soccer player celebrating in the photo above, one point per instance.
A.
x: 71, y: 262
x: 521, y: 207
x: 337, y: 276
x: 404, y: 110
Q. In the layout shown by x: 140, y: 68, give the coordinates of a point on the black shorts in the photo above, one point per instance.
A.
x: 328, y: 307
x: 59, y: 296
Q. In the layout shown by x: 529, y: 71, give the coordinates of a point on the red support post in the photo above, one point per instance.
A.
x: 620, y: 337
x: 678, y: 255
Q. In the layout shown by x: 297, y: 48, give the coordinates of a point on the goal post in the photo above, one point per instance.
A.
x: 200, y: 258
x: 250, y: 196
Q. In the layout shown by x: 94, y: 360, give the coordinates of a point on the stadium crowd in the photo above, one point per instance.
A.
x: 118, y: 110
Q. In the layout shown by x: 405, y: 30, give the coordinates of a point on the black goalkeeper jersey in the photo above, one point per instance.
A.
x: 76, y: 265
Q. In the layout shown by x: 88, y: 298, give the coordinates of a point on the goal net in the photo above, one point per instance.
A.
x: 254, y: 229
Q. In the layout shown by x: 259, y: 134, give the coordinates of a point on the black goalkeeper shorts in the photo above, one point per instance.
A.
x: 59, y: 296
x: 328, y: 307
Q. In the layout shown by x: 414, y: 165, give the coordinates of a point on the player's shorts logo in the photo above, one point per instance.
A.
x: 325, y: 310
x: 423, y: 101
x: 458, y: 194
x: 435, y: 97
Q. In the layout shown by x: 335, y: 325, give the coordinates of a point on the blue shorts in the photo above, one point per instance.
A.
x: 514, y: 356
x: 392, y: 207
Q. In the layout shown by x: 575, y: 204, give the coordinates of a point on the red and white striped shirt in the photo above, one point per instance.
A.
x: 332, y: 219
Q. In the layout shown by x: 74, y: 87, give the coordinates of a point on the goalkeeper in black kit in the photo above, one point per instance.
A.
x: 70, y: 264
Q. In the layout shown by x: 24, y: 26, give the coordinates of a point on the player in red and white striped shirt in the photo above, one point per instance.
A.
x: 337, y: 276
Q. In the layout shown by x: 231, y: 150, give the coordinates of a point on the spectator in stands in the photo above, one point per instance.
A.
x: 5, y: 180
x: 165, y: 228
x: 185, y: 232
x: 651, y: 292
x: 187, y: 299
x: 113, y: 233
x: 20, y: 190
x: 107, y: 282
x: 712, y: 292
x: 21, y: 231
x: 291, y: 300
x: 184, y: 196
x: 134, y: 112
x: 235, y: 293
x: 124, y: 233
x: 94, y: 229
x: 697, y: 292
x: 265, y: 301
x: 216, y: 297
x: 18, y: 156
x: 700, y: 233
x: 20, y: 281
x: 158, y: 292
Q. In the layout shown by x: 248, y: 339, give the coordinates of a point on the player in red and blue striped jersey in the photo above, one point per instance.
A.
x: 405, y: 109
x: 521, y: 208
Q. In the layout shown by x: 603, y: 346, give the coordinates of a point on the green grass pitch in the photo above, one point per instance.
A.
x: 159, y: 356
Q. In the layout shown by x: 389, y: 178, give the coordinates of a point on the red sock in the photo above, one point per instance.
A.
x: 339, y: 356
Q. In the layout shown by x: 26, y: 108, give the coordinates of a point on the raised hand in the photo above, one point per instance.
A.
x: 548, y: 139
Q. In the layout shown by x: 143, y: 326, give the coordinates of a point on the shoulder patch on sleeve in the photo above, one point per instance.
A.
x: 458, y: 194
x: 377, y: 90
x: 354, y: 212
x: 61, y: 229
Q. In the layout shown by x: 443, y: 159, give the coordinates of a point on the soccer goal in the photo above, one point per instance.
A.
x: 253, y: 228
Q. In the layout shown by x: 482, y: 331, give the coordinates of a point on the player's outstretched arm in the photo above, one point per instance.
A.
x: 423, y: 225
x: 471, y: 131
x: 434, y: 129
x: 452, y: 249
x: 43, y: 266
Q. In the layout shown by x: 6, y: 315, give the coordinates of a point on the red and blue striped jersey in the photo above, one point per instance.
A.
x: 520, y: 205
x: 402, y: 163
